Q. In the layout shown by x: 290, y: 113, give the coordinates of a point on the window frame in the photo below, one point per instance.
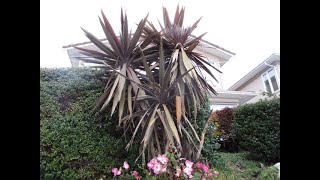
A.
x: 269, y: 80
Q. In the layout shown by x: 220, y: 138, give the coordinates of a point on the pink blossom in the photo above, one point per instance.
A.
x: 163, y: 159
x: 200, y: 165
x: 157, y: 168
x: 203, y: 178
x: 190, y: 176
x: 178, y: 169
x: 210, y: 175
x: 134, y: 173
x: 189, y: 163
x: 188, y: 170
x: 216, y: 172
x: 164, y: 168
x: 151, y: 163
x: 138, y: 178
x: 205, y: 168
x: 116, y: 172
x: 126, y: 165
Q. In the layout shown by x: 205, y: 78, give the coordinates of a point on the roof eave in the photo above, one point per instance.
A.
x: 272, y: 58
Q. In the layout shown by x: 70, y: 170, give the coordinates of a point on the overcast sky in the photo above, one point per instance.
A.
x: 249, y: 28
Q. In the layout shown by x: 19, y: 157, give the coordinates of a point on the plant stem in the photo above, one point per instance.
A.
x: 203, y: 134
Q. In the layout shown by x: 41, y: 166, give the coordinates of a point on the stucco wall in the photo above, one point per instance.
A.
x: 216, y: 63
x: 256, y: 84
x: 278, y: 69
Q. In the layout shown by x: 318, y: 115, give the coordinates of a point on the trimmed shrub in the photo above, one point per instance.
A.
x: 75, y: 144
x: 223, y: 120
x: 257, y: 129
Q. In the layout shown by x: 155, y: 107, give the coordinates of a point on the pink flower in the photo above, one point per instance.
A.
x: 178, y: 169
x: 151, y: 163
x: 138, y: 178
x: 163, y: 159
x: 200, y: 165
x: 126, y: 165
x: 157, y: 168
x: 210, y: 175
x: 216, y: 172
x: 189, y: 163
x: 203, y: 166
x: 203, y: 178
x: 206, y: 168
x: 188, y: 170
x: 164, y: 168
x: 116, y: 172
x: 190, y: 176
x: 134, y: 173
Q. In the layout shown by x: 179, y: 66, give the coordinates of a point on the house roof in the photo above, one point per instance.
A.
x: 214, y: 49
x: 105, y: 39
x: 271, y: 59
x: 214, y: 45
x: 240, y: 96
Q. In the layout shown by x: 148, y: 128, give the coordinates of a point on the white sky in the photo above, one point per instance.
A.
x: 249, y: 28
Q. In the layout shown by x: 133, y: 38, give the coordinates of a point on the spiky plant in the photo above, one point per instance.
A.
x: 122, y: 56
x: 153, y: 76
x: 179, y: 44
x: 158, y: 117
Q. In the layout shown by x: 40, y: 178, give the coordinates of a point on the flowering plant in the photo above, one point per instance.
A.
x: 167, y: 167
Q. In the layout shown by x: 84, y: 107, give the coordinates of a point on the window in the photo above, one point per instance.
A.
x: 270, y: 81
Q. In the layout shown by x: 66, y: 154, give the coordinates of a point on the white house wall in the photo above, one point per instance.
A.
x: 215, y: 61
x: 278, y: 69
x: 256, y: 85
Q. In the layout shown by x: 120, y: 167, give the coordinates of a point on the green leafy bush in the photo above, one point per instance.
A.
x: 75, y: 144
x: 257, y: 129
x: 270, y: 173
x: 211, y: 143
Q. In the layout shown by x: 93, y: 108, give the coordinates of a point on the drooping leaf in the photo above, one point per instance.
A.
x: 178, y: 112
x: 171, y: 124
x: 149, y: 130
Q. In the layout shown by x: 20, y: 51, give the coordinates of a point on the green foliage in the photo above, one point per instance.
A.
x: 270, y: 173
x: 257, y: 129
x: 211, y: 143
x: 237, y: 166
x: 75, y: 144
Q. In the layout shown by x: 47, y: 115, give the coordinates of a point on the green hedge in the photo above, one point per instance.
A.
x: 257, y: 129
x: 75, y: 144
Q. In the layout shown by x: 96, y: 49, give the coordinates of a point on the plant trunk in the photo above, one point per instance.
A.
x: 203, y: 134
